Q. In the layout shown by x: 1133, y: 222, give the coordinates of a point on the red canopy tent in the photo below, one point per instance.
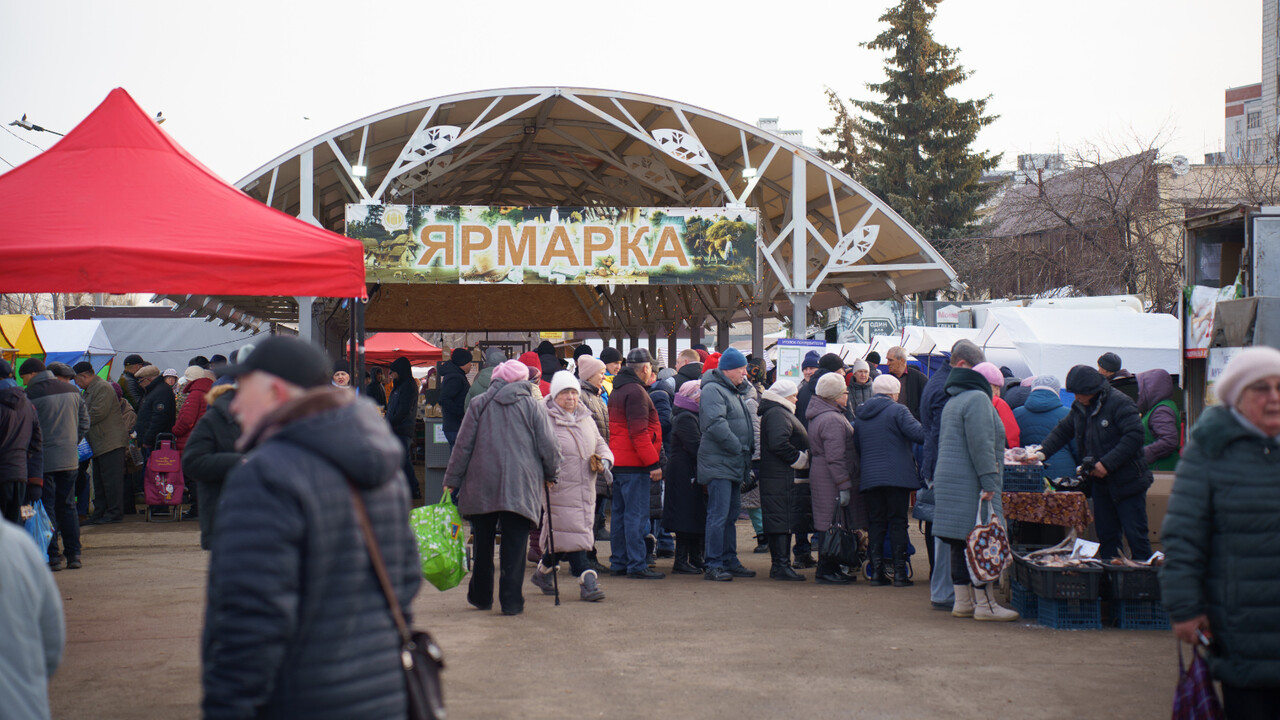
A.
x: 118, y: 207
x: 382, y: 348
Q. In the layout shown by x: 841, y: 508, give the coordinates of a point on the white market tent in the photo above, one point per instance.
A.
x: 1051, y: 341
x: 934, y: 340
x: 73, y: 341
x: 169, y: 342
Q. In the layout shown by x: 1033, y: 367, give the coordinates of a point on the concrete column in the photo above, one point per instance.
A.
x: 799, y: 314
x: 757, y: 333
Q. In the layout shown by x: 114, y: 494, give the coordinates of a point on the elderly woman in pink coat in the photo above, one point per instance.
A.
x: 584, y: 455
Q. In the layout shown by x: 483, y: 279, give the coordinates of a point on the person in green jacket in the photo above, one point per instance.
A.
x: 1221, y: 535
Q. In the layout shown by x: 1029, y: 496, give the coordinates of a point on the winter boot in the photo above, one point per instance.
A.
x: 593, y: 562
x: 683, y: 564
x: 986, y: 608
x: 900, y: 578
x: 964, y: 601
x: 829, y: 573
x: 589, y: 590
x: 878, y: 576
x: 762, y: 545
x: 535, y: 545
x: 697, y: 552
x: 543, y: 580
x: 804, y: 562
x: 781, y: 567
x: 650, y: 545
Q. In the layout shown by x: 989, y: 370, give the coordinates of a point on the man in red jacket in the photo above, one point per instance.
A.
x: 635, y: 437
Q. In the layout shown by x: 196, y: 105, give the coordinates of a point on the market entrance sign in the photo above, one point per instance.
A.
x: 555, y: 245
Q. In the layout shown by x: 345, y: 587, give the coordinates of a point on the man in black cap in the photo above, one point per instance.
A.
x: 129, y: 382
x: 21, y: 464
x: 64, y: 421
x: 296, y: 622
x: 107, y: 438
x: 1108, y: 429
x: 1111, y: 367
x: 454, y: 387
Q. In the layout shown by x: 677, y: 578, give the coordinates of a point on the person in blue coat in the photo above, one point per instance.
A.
x: 1037, y: 417
x: 886, y: 431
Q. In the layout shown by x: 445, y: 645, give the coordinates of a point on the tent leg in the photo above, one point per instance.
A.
x: 306, y: 330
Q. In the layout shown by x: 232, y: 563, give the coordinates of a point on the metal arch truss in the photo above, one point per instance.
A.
x: 818, y: 226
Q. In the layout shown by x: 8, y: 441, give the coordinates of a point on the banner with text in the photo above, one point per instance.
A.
x: 555, y: 245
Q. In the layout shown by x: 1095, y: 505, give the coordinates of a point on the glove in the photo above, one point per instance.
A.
x: 801, y: 462
x: 844, y: 498
x: 608, y: 477
x: 35, y: 488
x: 1039, y: 455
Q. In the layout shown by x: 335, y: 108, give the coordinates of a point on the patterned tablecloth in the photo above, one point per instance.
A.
x: 1068, y: 509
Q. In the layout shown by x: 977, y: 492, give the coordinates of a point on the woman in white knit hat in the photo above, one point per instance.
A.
x: 1221, y: 535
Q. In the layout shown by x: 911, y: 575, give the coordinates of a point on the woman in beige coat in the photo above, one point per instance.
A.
x: 572, y: 503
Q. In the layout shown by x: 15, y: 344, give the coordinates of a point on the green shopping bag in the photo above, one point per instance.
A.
x: 441, y: 542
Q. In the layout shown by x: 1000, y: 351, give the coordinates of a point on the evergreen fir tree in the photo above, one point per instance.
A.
x: 916, y: 142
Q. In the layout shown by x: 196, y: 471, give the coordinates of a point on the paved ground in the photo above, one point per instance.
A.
x: 674, y: 648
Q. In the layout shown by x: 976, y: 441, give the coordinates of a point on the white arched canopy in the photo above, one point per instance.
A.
x: 824, y: 239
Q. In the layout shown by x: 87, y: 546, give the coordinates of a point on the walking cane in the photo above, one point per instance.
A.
x: 551, y: 542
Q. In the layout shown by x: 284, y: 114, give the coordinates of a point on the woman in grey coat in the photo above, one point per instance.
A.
x: 969, y: 473
x: 506, y: 450
x: 832, y: 464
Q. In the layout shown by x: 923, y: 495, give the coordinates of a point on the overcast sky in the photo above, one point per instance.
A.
x: 238, y: 80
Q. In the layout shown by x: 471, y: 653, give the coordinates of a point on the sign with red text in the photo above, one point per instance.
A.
x: 555, y: 245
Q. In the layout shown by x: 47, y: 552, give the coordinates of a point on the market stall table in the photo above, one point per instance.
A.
x: 1068, y: 509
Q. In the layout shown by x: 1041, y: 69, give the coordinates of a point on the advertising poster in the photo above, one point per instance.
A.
x: 1218, y: 359
x: 454, y: 244
x: 791, y: 353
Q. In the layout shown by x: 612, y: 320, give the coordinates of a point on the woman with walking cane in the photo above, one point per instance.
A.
x: 569, y: 517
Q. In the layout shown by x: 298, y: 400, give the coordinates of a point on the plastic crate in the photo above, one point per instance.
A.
x: 1070, y: 614
x: 1126, y: 583
x: 1065, y: 583
x: 1023, y: 600
x: 1141, y: 615
x: 1023, y: 478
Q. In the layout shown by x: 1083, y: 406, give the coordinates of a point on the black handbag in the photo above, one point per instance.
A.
x: 419, y: 653
x: 839, y: 543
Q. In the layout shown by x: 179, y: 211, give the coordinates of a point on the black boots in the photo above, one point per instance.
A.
x: 684, y: 556
x: 762, y: 545
x: 900, y: 578
x: 779, y: 551
x: 879, y: 575
x: 829, y: 572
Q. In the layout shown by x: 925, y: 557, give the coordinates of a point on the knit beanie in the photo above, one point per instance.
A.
x: 610, y: 355
x: 831, y: 362
x: 830, y: 387
x: 1249, y: 366
x: 732, y: 359
x: 1084, y: 380
x: 991, y: 373
x: 588, y: 366
x: 691, y: 390
x: 31, y: 365
x: 6, y: 370
x: 861, y: 364
x: 338, y: 366
x: 460, y: 356
x: 885, y: 384
x: 511, y: 371
x: 561, y: 381
x: 1110, y: 362
x: 81, y: 367
x: 581, y: 350
x: 810, y: 360
x: 702, y: 354
x: 713, y: 362
x: 1046, y: 382
x: 784, y: 388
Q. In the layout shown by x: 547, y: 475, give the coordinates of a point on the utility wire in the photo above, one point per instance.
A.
x: 6, y: 162
x: 6, y: 129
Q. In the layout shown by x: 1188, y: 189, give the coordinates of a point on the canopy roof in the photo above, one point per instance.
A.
x: 382, y: 348
x: 825, y: 239
x: 73, y: 341
x: 18, y: 332
x: 1051, y: 341
x: 118, y: 207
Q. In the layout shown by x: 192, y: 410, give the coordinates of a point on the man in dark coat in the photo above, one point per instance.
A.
x: 549, y: 361
x: 21, y: 463
x: 828, y: 363
x: 402, y: 414
x: 211, y: 455
x: 1111, y: 367
x: 688, y: 367
x: 453, y: 392
x: 724, y: 461
x: 64, y: 422
x: 911, y: 380
x: 296, y: 623
x: 635, y: 437
x: 1107, y: 428
x: 129, y: 384
x: 158, y: 410
x: 373, y: 388
x: 108, y: 439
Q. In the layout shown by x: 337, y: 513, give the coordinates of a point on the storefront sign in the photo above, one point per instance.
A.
x: 555, y: 245
x: 791, y: 354
x: 1218, y: 359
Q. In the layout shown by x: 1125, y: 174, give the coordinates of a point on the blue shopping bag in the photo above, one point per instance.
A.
x: 40, y: 529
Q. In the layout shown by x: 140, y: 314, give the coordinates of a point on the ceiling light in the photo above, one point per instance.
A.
x: 359, y: 170
x: 749, y: 173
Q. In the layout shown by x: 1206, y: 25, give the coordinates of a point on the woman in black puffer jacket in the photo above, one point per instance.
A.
x: 684, y: 506
x: 784, y: 500
x: 210, y: 455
